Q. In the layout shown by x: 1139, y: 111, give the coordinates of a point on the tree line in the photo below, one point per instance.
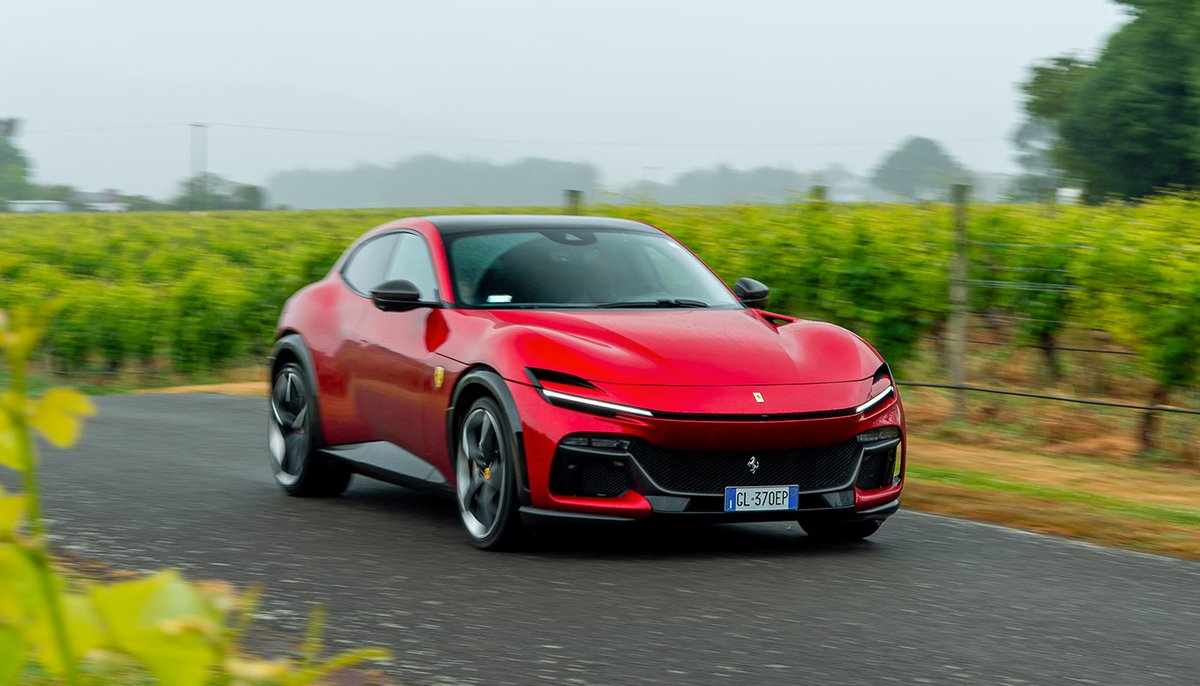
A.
x: 918, y: 169
x: 1125, y: 125
x: 200, y: 192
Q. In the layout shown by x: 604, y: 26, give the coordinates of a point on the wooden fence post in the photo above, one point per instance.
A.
x: 958, y: 302
x: 572, y: 202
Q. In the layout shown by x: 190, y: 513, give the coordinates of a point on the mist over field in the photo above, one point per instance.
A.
x: 640, y: 93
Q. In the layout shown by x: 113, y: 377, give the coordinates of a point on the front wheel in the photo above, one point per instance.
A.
x: 834, y: 532
x: 485, y: 477
x: 293, y: 438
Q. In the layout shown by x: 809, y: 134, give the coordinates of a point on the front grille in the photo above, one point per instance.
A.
x: 876, y: 470
x: 812, y: 469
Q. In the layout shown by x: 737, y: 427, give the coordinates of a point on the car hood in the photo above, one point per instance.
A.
x: 682, y: 347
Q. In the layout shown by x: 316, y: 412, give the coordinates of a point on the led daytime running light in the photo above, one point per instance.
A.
x: 874, y: 401
x: 883, y: 433
x: 598, y: 404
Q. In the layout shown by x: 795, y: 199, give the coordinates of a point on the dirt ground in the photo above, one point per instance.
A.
x: 243, y: 388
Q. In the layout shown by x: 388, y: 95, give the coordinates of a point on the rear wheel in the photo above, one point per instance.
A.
x: 840, y: 531
x: 294, y: 440
x: 485, y: 477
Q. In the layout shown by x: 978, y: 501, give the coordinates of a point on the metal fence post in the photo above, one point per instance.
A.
x: 572, y: 201
x: 958, y: 302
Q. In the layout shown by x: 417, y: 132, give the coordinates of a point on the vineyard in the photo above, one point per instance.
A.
x: 195, y: 292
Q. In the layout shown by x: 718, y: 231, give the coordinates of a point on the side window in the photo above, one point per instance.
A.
x: 411, y: 261
x: 367, y: 265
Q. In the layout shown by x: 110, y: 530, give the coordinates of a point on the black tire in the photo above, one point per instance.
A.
x: 294, y: 438
x: 486, y: 448
x: 835, y: 532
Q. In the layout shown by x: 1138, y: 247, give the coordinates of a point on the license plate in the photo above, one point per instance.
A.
x: 761, y: 498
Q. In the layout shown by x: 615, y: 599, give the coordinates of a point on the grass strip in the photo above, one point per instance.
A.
x: 972, y: 479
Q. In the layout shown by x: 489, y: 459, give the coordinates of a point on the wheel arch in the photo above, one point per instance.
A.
x: 290, y: 347
x: 477, y: 382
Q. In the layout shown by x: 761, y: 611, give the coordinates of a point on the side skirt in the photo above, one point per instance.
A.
x: 391, y: 463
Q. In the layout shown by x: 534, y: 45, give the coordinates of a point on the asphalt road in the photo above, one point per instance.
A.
x: 183, y: 481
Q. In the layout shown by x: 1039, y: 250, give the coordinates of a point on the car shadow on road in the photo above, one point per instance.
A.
x: 435, y: 517
x: 684, y: 540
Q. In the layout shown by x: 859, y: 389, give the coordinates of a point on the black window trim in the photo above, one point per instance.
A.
x: 397, y: 232
x: 644, y: 229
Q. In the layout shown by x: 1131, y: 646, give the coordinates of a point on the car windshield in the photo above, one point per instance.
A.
x: 566, y: 268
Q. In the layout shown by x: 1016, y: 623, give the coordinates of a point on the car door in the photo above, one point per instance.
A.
x: 364, y: 269
x: 395, y: 376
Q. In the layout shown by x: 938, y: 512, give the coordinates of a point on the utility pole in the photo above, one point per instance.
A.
x: 200, y: 162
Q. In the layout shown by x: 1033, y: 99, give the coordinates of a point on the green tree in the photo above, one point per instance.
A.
x: 1035, y: 140
x: 918, y: 170
x: 58, y: 192
x: 1129, y: 123
x: 213, y: 192
x: 14, y: 168
x: 1052, y: 85
x: 247, y: 197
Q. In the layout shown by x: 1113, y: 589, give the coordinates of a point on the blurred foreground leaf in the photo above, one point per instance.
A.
x: 19, y: 607
x: 8, y: 434
x: 12, y: 512
x: 164, y: 623
x: 59, y: 415
x: 12, y: 654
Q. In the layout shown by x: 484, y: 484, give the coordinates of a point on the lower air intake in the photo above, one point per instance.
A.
x: 876, y: 470
x: 586, y: 475
x: 708, y: 473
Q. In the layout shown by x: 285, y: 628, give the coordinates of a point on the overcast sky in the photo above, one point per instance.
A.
x: 643, y: 88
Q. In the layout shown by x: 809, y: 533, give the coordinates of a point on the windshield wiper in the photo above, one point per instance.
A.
x: 661, y: 302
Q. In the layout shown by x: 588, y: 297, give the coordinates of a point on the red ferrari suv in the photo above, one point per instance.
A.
x: 581, y: 368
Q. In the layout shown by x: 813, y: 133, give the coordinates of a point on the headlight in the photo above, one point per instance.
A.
x: 602, y: 442
x: 883, y: 433
x: 576, y: 402
x: 883, y: 395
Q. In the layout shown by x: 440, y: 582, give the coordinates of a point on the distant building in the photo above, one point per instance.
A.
x: 38, y: 206
x: 99, y: 201
x: 1070, y: 196
x: 106, y: 206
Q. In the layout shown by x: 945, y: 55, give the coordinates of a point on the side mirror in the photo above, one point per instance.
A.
x: 752, y: 293
x: 397, y: 296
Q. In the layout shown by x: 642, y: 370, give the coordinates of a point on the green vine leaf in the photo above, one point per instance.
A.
x: 8, y: 434
x: 59, y: 415
x: 164, y: 623
x: 12, y: 513
x: 12, y: 654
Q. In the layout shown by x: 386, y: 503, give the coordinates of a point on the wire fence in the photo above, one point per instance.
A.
x: 1035, y: 346
x: 1051, y: 278
x: 1045, y: 396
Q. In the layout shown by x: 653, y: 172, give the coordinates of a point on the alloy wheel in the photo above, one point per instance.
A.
x: 481, y: 471
x: 289, y: 435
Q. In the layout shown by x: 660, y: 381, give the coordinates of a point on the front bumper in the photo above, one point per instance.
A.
x: 834, y: 488
x: 534, y: 515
